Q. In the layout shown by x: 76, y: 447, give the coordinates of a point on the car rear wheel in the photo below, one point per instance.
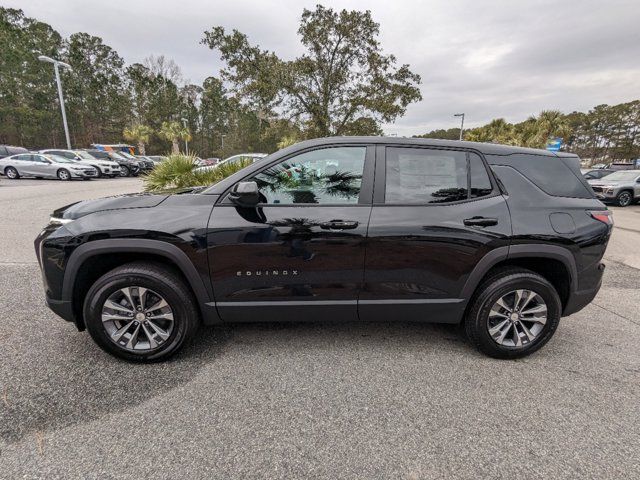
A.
x: 513, y: 314
x: 11, y: 173
x: 64, y: 174
x: 141, y: 312
x: 624, y: 199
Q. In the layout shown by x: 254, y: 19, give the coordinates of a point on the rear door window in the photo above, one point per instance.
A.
x: 422, y: 176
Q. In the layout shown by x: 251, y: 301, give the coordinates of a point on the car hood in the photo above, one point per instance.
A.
x: 600, y: 183
x: 134, y: 200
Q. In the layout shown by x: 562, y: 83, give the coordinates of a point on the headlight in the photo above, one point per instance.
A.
x: 59, y: 221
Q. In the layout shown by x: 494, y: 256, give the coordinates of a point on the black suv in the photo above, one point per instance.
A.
x: 504, y: 239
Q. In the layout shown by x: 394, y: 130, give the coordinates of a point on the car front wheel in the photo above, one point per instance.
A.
x: 141, y: 312
x: 124, y: 171
x: 624, y: 199
x: 513, y: 314
x: 64, y: 174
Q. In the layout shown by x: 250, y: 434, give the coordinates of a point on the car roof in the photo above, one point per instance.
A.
x: 485, y: 148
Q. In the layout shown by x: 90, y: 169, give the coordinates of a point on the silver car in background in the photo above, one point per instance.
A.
x: 105, y: 168
x: 621, y: 187
x: 41, y: 165
x: 254, y: 157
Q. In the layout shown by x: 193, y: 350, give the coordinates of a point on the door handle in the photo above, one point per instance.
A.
x: 339, y: 225
x: 480, y: 222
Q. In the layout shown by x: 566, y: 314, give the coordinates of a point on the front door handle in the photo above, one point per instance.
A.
x: 480, y: 222
x: 339, y: 225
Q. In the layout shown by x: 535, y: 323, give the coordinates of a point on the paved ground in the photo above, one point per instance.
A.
x: 389, y: 400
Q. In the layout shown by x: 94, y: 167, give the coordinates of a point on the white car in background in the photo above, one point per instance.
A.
x: 254, y: 157
x: 105, y: 168
x: 42, y: 165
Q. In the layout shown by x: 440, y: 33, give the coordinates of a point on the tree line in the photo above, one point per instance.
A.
x: 604, y: 133
x: 341, y: 85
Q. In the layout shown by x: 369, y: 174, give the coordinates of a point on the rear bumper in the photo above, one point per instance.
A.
x: 581, y: 298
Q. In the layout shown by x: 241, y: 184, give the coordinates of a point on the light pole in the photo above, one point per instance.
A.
x: 56, y: 68
x: 186, y: 143
x: 222, y: 146
x: 462, y: 124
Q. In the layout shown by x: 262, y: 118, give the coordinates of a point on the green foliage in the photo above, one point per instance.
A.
x: 174, y: 132
x: 604, y: 133
x: 138, y: 133
x: 342, y: 82
x: 179, y: 171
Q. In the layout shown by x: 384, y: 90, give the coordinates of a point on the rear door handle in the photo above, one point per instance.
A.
x: 339, y: 225
x: 480, y: 222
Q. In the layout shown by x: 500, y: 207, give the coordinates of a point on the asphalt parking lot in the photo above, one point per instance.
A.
x: 388, y: 400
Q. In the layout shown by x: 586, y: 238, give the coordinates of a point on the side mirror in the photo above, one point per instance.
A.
x: 245, y: 194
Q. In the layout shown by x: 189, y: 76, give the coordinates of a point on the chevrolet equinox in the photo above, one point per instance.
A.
x: 506, y: 240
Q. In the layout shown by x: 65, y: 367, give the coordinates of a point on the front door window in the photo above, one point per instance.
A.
x: 325, y: 176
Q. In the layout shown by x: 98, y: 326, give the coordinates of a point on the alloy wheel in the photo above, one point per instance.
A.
x: 624, y: 199
x: 137, y: 319
x: 517, y: 318
x: 11, y: 173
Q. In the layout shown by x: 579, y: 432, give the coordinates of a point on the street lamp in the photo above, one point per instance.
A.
x: 462, y: 124
x: 186, y: 143
x: 56, y: 68
x: 222, y: 146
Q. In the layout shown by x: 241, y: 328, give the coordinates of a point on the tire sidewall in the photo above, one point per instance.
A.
x: 15, y: 173
x: 124, y: 171
x: 104, y: 287
x: 65, y: 171
x: 497, y: 289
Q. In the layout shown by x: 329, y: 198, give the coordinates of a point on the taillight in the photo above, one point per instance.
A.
x: 604, y: 216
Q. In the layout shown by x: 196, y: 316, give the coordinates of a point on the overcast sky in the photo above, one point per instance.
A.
x: 488, y: 59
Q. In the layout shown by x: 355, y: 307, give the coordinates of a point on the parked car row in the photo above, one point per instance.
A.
x: 17, y: 162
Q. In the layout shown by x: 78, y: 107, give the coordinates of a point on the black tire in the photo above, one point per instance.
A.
x: 490, y: 291
x: 11, y: 173
x: 624, y: 198
x: 158, y: 278
x: 124, y: 171
x: 63, y: 174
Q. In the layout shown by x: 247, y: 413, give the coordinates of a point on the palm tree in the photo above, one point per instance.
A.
x: 536, y: 131
x: 174, y: 132
x: 140, y: 134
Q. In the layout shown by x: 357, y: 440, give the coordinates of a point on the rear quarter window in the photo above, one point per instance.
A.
x: 549, y: 174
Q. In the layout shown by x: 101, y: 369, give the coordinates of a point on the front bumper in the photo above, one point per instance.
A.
x: 84, y: 173
x: 62, y: 308
x: 110, y: 170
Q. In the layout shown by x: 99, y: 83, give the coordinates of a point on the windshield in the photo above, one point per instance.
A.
x: 85, y: 155
x: 624, y: 175
x: 100, y: 155
x: 117, y: 155
x: 127, y: 155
